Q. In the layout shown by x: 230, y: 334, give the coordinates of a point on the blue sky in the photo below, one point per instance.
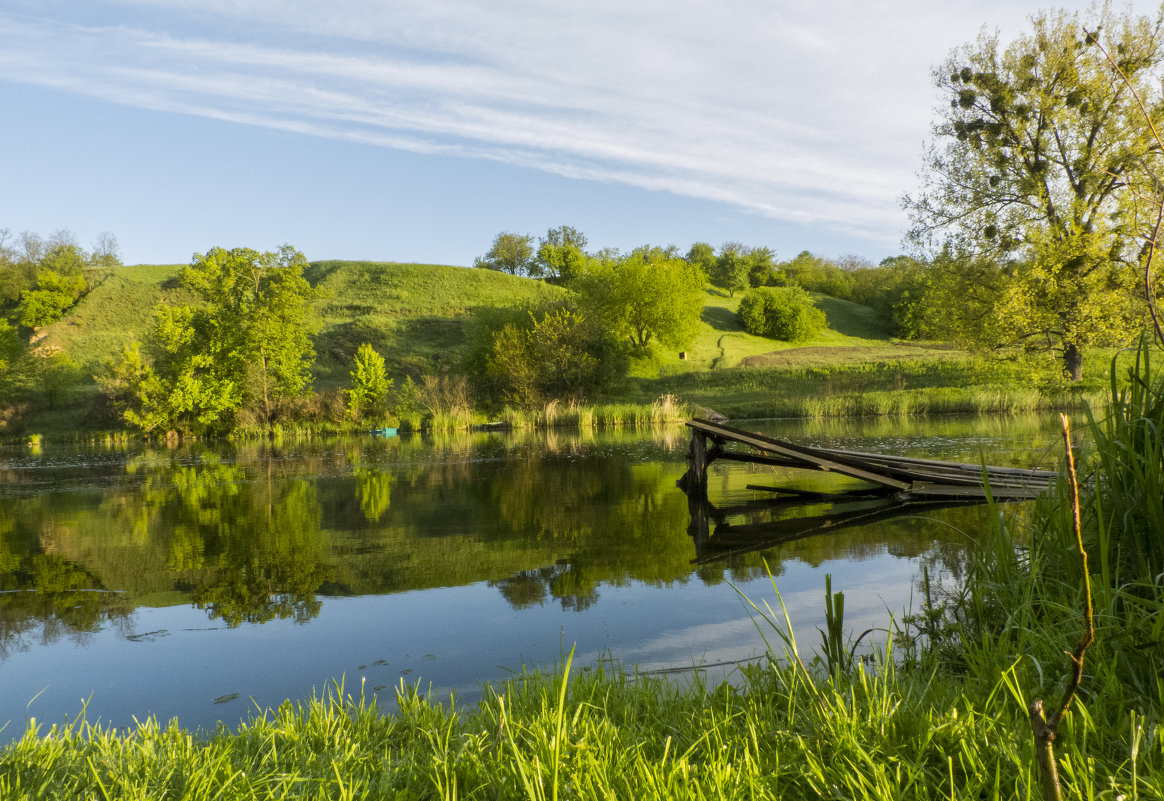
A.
x: 416, y: 130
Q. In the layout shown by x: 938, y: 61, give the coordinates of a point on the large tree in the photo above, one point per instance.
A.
x: 1029, y: 185
x: 731, y: 269
x: 649, y: 295
x: 247, y: 343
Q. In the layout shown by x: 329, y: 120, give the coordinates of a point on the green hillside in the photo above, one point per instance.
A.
x: 418, y: 315
x: 413, y: 314
x: 117, y: 310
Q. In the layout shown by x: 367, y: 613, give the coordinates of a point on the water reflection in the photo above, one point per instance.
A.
x: 261, y: 532
x: 263, y: 570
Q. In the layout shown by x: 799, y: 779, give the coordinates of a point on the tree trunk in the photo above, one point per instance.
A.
x: 1073, y: 362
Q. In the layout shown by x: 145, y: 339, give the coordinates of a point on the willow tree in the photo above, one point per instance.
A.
x: 1030, y: 183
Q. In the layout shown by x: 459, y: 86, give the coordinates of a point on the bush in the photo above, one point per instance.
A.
x: 528, y: 357
x: 784, y: 313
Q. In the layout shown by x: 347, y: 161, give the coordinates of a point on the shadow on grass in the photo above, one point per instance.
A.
x: 851, y: 319
x: 721, y: 319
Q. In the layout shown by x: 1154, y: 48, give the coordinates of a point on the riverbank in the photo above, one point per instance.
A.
x: 956, y: 384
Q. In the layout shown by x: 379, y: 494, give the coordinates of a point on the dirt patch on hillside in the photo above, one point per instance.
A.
x: 797, y: 357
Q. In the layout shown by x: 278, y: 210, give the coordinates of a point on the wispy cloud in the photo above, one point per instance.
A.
x: 811, y: 113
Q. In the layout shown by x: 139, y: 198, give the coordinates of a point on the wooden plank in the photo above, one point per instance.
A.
x: 902, y: 473
x: 886, y: 458
x: 757, y: 458
x: 948, y: 491
x: 792, y: 452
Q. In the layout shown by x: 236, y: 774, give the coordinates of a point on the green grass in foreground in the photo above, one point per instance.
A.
x: 873, y: 733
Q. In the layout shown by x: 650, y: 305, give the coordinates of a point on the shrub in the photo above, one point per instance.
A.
x: 370, y: 383
x: 784, y: 313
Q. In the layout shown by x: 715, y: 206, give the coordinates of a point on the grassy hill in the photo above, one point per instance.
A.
x: 117, y: 310
x: 413, y: 314
x: 417, y: 317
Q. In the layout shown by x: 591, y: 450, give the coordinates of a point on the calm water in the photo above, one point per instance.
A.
x: 201, y: 583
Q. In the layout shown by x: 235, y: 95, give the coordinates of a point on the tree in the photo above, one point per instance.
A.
x: 558, y: 355
x: 1031, y: 181
x: 702, y: 255
x: 561, y: 253
x: 648, y: 295
x: 817, y: 274
x: 368, y: 393
x: 60, y: 281
x: 510, y: 253
x: 247, y: 342
x: 731, y: 269
x: 762, y: 270
x: 258, y: 319
x: 528, y: 356
x: 106, y: 252
x: 11, y: 353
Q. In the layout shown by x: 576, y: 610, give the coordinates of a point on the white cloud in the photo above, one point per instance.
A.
x: 813, y: 113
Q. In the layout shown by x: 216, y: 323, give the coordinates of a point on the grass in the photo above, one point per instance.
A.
x: 722, y: 341
x: 117, y: 310
x: 415, y: 315
x: 945, y: 383
x: 872, y: 732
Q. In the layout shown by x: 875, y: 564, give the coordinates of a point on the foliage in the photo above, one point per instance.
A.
x: 1128, y: 443
x: 246, y: 343
x: 785, y: 313
x: 57, y: 376
x: 1033, y: 177
x: 702, y: 255
x: 59, y: 282
x: 561, y: 254
x: 731, y: 269
x: 11, y: 354
x: 551, y: 353
x: 510, y: 253
x: 900, y: 290
x: 762, y: 269
x: 817, y: 274
x: 368, y: 394
x: 646, y: 296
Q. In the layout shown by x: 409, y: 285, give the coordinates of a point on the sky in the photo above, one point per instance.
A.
x: 417, y: 130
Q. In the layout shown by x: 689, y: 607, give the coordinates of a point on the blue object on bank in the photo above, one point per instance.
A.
x: 383, y: 432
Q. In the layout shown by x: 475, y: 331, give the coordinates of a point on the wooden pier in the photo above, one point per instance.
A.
x: 901, y: 477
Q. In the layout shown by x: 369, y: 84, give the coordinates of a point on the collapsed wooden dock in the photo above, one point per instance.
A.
x: 902, y: 477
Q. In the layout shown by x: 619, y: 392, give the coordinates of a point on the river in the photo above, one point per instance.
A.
x: 204, y: 583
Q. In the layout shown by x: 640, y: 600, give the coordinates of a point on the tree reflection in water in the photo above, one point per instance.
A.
x: 254, y: 532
